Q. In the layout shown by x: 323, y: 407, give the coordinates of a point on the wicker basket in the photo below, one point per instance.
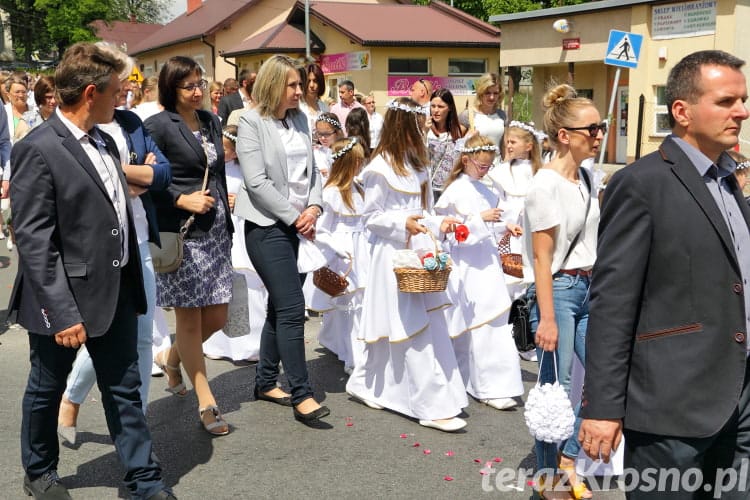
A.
x: 330, y: 281
x: 512, y: 262
x: 421, y: 280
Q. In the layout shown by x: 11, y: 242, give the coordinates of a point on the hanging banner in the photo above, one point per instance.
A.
x: 348, y: 61
x: 684, y: 19
x: 401, y: 85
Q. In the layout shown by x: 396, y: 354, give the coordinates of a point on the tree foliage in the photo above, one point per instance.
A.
x: 144, y: 11
x: 483, y: 9
x: 28, y: 27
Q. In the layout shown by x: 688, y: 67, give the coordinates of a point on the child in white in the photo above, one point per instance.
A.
x: 409, y: 364
x: 327, y: 131
x: 240, y: 346
x: 341, y: 237
x: 478, y: 318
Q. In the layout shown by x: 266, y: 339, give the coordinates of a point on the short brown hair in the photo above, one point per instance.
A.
x: 84, y: 64
x: 44, y: 86
x: 172, y: 73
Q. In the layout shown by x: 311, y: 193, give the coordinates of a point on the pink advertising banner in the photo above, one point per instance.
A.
x: 348, y: 61
x: 400, y: 85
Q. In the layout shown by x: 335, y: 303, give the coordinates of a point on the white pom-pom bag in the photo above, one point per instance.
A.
x: 548, y: 414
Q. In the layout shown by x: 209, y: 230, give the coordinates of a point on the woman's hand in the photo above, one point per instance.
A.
x: 305, y: 223
x: 448, y: 225
x: 514, y: 229
x: 413, y: 226
x: 491, y: 215
x: 198, y: 202
x: 136, y: 190
x: 232, y: 199
x: 546, y: 334
x: 150, y: 159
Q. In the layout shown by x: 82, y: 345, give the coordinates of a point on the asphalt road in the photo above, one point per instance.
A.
x: 363, y: 454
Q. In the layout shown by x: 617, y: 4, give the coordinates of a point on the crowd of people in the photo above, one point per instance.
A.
x: 257, y: 185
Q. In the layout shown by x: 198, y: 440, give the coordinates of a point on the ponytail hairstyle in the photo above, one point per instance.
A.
x: 348, y: 157
x: 471, y: 148
x: 561, y: 106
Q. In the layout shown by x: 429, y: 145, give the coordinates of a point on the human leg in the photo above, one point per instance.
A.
x: 146, y: 323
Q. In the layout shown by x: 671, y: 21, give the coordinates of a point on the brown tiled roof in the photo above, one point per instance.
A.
x: 124, y: 32
x: 210, y: 17
x: 282, y: 38
x: 404, y: 25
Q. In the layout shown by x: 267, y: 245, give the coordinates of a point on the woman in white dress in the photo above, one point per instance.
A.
x: 478, y: 318
x: 224, y: 344
x: 409, y: 363
x: 342, y: 239
x: 485, y: 116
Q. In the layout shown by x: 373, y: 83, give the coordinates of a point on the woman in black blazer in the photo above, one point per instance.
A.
x: 201, y: 288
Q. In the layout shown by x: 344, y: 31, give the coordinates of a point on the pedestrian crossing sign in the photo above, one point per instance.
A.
x: 623, y: 49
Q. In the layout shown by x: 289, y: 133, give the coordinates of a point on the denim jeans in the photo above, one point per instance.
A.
x: 571, y: 303
x: 83, y: 377
x: 273, y: 251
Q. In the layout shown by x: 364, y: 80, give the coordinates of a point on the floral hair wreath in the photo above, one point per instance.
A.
x: 743, y: 165
x: 341, y: 152
x: 392, y: 104
x: 538, y: 135
x: 229, y: 136
x: 332, y: 122
x: 476, y: 149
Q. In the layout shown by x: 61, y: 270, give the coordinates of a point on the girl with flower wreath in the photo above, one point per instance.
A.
x: 409, y: 364
x: 478, y: 320
x: 342, y: 239
x: 327, y: 131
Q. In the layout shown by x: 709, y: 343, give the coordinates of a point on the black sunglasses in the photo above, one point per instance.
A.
x: 593, y: 129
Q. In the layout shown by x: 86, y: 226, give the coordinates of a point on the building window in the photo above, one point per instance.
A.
x: 408, y: 66
x: 661, y: 113
x: 467, y: 67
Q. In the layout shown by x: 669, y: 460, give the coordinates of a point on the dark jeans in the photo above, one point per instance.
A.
x: 717, y: 466
x: 273, y: 251
x: 115, y: 361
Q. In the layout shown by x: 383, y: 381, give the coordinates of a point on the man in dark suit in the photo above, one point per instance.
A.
x: 239, y: 99
x: 666, y: 348
x: 79, y: 278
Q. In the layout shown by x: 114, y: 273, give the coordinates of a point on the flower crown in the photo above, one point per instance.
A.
x: 538, y: 135
x: 229, y: 136
x: 476, y: 149
x: 331, y: 121
x: 743, y: 165
x: 341, y: 152
x: 392, y: 104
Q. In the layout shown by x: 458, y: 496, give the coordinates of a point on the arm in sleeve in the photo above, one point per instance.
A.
x: 5, y: 144
x: 37, y: 236
x: 162, y: 169
x: 618, y: 279
x: 379, y: 220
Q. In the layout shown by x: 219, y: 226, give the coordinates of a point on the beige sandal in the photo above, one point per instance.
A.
x: 160, y: 360
x: 218, y: 427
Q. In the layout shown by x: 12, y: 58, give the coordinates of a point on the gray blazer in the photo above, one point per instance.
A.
x: 264, y: 197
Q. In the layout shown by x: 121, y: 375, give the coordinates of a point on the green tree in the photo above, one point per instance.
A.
x: 143, y: 11
x: 68, y: 20
x: 28, y: 27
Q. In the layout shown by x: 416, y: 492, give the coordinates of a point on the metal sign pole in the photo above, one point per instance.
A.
x: 610, y: 117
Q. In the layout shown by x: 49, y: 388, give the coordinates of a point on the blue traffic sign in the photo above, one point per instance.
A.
x: 623, y: 49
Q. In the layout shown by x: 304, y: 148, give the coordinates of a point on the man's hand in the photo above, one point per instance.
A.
x: 73, y: 337
x: 5, y: 187
x: 599, y: 438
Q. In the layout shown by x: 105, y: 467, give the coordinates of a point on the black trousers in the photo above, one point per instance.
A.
x: 115, y: 361
x: 667, y: 467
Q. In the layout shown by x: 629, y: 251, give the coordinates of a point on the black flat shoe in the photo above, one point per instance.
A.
x: 283, y: 401
x: 305, y: 418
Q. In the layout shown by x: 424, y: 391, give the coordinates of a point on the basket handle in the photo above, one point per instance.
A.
x: 434, y: 240
x: 351, y: 263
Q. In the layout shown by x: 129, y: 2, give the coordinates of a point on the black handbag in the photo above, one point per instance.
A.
x: 519, y: 318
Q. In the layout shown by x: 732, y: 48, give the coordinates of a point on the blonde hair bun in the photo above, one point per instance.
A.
x: 557, y: 95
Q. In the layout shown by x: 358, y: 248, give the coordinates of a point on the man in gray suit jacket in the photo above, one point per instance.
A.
x: 666, y: 348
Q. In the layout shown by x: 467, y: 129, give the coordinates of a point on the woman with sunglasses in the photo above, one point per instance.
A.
x: 200, y: 289
x: 561, y: 216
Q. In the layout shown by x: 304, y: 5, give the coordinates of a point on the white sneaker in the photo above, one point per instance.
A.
x: 2, y: 235
x: 9, y: 245
x: 500, y: 403
x: 451, y: 425
x: 528, y: 355
x: 156, y: 371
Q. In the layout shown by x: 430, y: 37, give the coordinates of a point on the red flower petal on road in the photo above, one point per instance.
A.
x: 449, y: 453
x: 531, y: 483
x: 497, y: 460
x: 416, y: 445
x: 403, y: 436
x: 478, y: 460
x: 350, y: 424
x: 427, y: 451
x: 484, y: 472
x: 488, y: 465
x: 448, y: 478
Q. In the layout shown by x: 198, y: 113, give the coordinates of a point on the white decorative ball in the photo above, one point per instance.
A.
x: 561, y: 26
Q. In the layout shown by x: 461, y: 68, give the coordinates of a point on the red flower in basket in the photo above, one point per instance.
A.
x: 461, y: 233
x: 427, y: 256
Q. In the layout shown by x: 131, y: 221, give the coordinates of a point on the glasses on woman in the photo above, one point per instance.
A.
x: 592, y: 129
x: 484, y: 166
x: 322, y: 135
x: 190, y: 87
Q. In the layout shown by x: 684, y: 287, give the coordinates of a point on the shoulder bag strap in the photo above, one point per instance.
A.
x: 583, y: 174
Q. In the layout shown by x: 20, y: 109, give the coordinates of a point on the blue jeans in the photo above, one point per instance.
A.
x: 273, y: 251
x: 83, y: 377
x: 571, y: 302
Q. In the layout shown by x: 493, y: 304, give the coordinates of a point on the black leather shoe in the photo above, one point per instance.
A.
x: 163, y: 495
x: 284, y: 401
x: 46, y: 487
x: 306, y: 418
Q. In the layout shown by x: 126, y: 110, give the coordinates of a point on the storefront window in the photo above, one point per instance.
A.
x: 408, y: 66
x: 661, y: 114
x: 466, y: 67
